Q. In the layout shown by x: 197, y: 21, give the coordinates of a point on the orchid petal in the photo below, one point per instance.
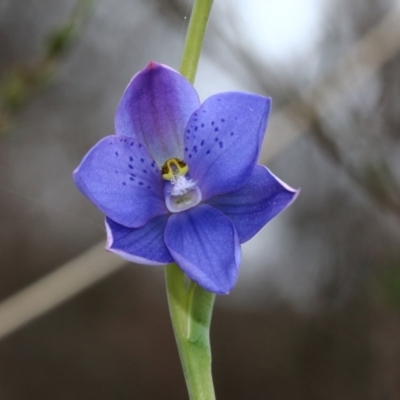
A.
x: 144, y: 245
x: 155, y: 109
x: 122, y: 180
x: 223, y: 140
x: 204, y: 243
x: 261, y: 199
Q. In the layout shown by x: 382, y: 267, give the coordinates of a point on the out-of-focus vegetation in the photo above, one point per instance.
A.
x: 23, y: 80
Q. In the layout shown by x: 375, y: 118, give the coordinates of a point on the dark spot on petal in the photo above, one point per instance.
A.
x: 130, y: 166
x: 190, y: 156
x: 188, y: 130
x: 232, y: 133
x: 202, y: 143
x: 148, y: 187
x: 131, y: 143
x: 196, y: 127
x: 131, y: 174
x: 142, y: 159
x: 132, y: 179
x: 216, y: 129
x: 130, y: 158
x: 202, y: 125
x: 186, y: 149
x: 195, y: 149
x: 124, y: 183
x: 140, y: 145
x: 212, y: 123
x: 116, y: 153
x: 222, y: 120
x: 145, y: 171
x: 116, y: 171
x: 141, y: 183
x: 204, y: 111
x: 221, y: 145
x: 216, y: 139
x: 208, y: 152
x: 219, y: 99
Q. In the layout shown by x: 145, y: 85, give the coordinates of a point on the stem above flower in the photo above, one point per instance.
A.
x: 194, y: 38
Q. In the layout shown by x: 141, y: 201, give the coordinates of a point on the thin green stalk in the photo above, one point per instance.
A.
x: 194, y: 38
x: 191, y: 308
x: 191, y: 311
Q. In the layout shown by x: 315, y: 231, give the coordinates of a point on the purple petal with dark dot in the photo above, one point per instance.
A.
x: 155, y: 109
x: 204, y: 243
x: 117, y: 185
x: 143, y: 245
x: 262, y: 198
x: 228, y: 145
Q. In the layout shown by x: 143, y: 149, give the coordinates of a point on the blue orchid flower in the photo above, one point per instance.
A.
x: 178, y: 182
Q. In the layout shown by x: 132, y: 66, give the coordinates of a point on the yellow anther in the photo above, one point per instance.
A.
x: 173, y: 168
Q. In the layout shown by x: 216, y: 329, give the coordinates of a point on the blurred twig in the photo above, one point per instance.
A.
x: 305, y: 113
x: 375, y: 179
x: 57, y: 287
x: 22, y: 81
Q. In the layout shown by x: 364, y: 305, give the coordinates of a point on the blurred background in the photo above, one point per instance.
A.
x: 316, y: 311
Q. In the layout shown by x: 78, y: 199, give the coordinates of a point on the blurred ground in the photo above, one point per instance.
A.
x: 316, y: 313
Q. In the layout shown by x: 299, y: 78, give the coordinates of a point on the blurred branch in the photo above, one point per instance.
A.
x: 363, y: 60
x: 374, y: 179
x: 57, y: 287
x: 366, y: 57
x: 23, y: 81
x: 305, y: 113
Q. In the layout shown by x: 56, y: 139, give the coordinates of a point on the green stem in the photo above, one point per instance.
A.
x: 194, y: 38
x: 191, y: 311
x: 191, y: 308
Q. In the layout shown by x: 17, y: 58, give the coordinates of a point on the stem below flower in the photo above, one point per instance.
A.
x: 191, y: 311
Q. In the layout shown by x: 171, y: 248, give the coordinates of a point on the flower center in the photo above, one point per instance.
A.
x: 172, y: 168
x: 181, y: 192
